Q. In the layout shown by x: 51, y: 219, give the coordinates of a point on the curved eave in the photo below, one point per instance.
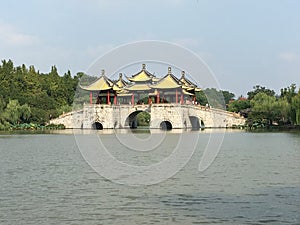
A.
x: 121, y: 83
x: 165, y: 86
x: 167, y: 82
x: 187, y: 93
x: 116, y: 88
x: 94, y: 88
x: 138, y: 87
x: 101, y: 84
x: 133, y: 79
x: 141, y: 76
x: 188, y: 82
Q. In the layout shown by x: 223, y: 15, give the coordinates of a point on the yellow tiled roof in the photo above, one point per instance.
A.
x: 101, y: 84
x: 143, y: 81
x: 138, y: 87
x: 116, y: 88
x: 186, y: 81
x: 167, y: 82
x: 142, y: 76
x: 121, y: 83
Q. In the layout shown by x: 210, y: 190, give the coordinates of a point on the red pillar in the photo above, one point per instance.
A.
x: 132, y: 99
x: 115, y: 99
x: 181, y: 100
x: 157, y: 97
x: 91, y: 97
x: 108, y: 98
x: 176, y: 97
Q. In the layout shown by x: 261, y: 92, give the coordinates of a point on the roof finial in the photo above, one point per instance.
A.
x: 102, y: 72
x: 182, y: 74
x: 120, y: 76
x: 169, y: 70
x: 143, y: 66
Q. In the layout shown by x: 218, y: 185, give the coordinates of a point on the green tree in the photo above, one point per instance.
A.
x: 46, y: 95
x: 143, y: 119
x: 296, y: 107
x: 262, y: 108
x: 228, y: 96
x: 241, y: 105
x: 265, y: 109
x: 15, y: 113
x: 201, y: 98
x: 283, y: 109
x: 260, y: 89
x: 288, y: 92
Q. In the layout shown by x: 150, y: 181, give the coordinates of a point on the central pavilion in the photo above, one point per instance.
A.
x: 143, y: 88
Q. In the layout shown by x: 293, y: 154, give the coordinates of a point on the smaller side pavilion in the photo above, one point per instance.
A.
x: 105, y: 88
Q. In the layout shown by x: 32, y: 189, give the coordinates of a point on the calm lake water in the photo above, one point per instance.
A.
x: 255, y: 179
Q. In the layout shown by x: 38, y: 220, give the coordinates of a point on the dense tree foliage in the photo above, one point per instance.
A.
x: 215, y: 98
x: 28, y: 96
x: 263, y: 108
x: 260, y: 89
x: 241, y: 105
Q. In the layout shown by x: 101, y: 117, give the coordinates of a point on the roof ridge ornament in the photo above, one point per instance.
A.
x: 143, y: 66
x: 182, y: 74
x: 102, y: 72
x: 169, y: 70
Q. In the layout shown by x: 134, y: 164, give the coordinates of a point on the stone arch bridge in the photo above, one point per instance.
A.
x: 166, y: 116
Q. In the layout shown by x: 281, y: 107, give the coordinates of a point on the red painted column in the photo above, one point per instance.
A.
x: 176, y: 97
x: 91, y: 97
x: 115, y: 99
x: 157, y: 97
x: 182, y: 101
x: 132, y: 99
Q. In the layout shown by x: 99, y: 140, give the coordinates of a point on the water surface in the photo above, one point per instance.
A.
x: 254, y: 180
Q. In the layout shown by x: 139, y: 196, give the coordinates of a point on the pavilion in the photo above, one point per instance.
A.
x: 143, y: 88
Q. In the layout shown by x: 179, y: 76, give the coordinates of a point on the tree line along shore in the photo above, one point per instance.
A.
x: 29, y: 99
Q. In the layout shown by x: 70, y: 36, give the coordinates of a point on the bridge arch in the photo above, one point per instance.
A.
x: 196, y: 122
x: 165, y: 125
x: 132, y: 120
x: 97, y: 126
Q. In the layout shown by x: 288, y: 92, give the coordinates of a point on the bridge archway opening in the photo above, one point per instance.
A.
x: 97, y: 126
x: 165, y: 125
x: 138, y: 119
x: 196, y: 123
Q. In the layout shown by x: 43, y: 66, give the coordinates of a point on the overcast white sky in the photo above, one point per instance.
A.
x: 245, y: 42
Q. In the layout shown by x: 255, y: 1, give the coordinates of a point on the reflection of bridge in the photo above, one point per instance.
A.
x: 162, y: 116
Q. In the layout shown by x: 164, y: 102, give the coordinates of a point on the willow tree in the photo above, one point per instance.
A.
x: 265, y: 109
x: 296, y: 107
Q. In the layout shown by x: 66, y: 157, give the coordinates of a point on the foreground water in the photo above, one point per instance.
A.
x: 255, y: 179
